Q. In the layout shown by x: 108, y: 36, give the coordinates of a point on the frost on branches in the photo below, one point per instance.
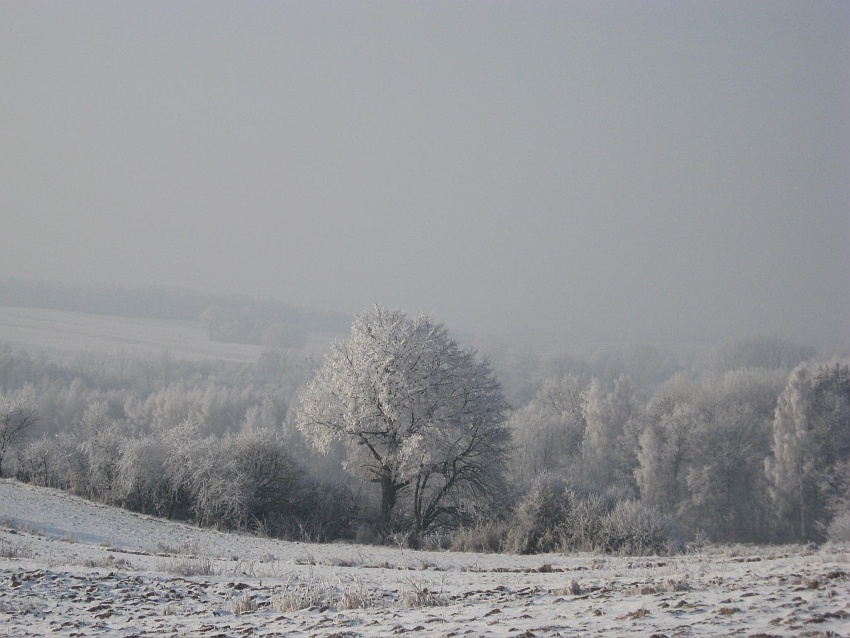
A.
x: 419, y: 415
x: 810, y: 467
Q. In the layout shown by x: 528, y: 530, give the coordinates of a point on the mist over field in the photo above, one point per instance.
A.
x: 294, y: 288
x: 566, y: 173
x: 508, y: 278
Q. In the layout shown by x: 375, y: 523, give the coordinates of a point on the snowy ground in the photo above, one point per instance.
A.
x: 67, y: 334
x: 73, y: 568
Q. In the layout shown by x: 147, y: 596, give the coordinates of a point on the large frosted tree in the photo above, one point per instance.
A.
x: 420, y: 417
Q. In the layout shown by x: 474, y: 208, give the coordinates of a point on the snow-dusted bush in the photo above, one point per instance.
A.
x: 838, y: 531
x: 247, y: 480
x: 551, y: 518
x: 217, y: 491
x: 536, y: 521
x: 143, y: 482
x: 101, y: 439
x: 580, y: 530
x: 636, y: 529
x: 40, y: 463
x: 486, y: 538
x: 17, y: 415
x: 53, y: 461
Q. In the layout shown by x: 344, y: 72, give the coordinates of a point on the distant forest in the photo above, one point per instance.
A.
x: 630, y: 450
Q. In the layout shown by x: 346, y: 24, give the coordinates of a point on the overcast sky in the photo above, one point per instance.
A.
x: 610, y: 168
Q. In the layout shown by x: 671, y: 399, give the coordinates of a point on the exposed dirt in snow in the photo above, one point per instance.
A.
x: 73, y: 568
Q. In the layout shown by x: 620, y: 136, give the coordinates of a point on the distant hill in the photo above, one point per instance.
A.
x: 161, y: 303
x: 66, y: 333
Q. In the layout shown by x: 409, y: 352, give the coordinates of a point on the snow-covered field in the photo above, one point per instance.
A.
x: 73, y: 568
x: 61, y: 333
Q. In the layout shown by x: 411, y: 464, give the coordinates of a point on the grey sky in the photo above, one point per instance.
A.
x: 563, y: 168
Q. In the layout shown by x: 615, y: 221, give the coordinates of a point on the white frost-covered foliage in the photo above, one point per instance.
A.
x: 809, y: 470
x: 792, y: 459
x: 547, y: 433
x: 550, y: 518
x: 701, y: 452
x: 576, y: 428
x: 608, y: 415
x: 420, y: 416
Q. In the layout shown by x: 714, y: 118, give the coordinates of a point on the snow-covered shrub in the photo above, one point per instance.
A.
x: 101, y: 440
x: 17, y: 415
x: 551, y: 518
x: 271, y: 474
x: 580, y: 529
x: 73, y: 466
x: 54, y: 461
x: 838, y: 530
x: 537, y: 518
x: 40, y: 463
x: 143, y: 482
x: 484, y: 537
x: 636, y: 529
x: 218, y: 491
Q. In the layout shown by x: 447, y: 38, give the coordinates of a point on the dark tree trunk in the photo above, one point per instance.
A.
x: 389, y: 493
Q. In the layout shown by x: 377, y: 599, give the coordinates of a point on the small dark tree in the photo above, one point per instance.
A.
x: 16, y: 416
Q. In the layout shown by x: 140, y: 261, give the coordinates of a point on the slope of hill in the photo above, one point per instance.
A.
x: 154, y: 302
x: 74, y: 568
x: 64, y: 333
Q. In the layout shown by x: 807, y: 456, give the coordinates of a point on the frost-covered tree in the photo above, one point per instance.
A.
x: 143, y: 481
x: 547, y: 433
x: 420, y: 417
x: 808, y: 470
x: 38, y: 463
x: 702, y: 448
x: 606, y: 457
x: 725, y: 487
x: 100, y: 443
x: 664, y: 453
x: 16, y: 416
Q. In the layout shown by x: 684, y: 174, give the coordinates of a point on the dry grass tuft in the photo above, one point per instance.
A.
x: 422, y: 593
x: 188, y: 567
x: 571, y: 589
x: 107, y: 562
x: 243, y: 604
x: 15, y: 550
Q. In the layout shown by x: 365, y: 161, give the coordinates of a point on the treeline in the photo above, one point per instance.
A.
x: 254, y: 325
x: 210, y: 445
x: 607, y: 455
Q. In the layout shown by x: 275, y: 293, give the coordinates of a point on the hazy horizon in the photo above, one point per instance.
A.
x: 550, y: 169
